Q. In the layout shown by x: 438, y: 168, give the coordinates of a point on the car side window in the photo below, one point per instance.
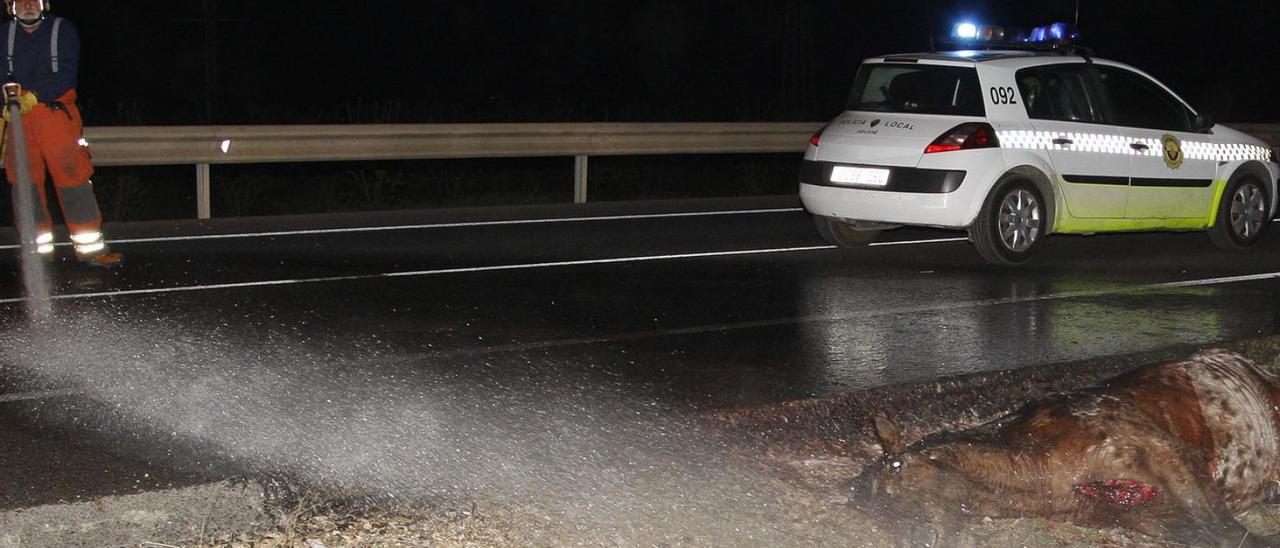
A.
x: 1058, y: 92
x: 1136, y: 101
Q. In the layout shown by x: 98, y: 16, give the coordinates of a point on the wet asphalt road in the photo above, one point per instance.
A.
x: 701, y: 303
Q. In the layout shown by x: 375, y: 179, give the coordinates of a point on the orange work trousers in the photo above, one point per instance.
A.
x: 55, y: 144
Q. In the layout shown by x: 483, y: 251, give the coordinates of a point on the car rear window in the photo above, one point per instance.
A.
x: 921, y: 89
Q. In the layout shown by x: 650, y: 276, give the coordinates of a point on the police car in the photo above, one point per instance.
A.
x: 1015, y: 142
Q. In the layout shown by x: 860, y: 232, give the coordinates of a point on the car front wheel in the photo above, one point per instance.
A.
x: 1242, y: 214
x: 1011, y: 225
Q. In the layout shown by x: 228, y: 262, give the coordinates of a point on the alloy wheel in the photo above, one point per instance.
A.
x: 1019, y: 220
x: 1248, y: 211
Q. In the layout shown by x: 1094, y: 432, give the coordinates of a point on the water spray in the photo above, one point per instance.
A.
x: 24, y: 203
x: 373, y: 424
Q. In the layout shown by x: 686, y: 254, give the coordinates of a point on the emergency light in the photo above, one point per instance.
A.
x: 1054, y: 33
x: 973, y: 32
x: 1051, y: 36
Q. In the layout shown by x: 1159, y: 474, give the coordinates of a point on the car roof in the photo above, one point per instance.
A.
x: 1032, y: 57
x: 1012, y: 59
x: 1008, y: 59
x: 976, y: 56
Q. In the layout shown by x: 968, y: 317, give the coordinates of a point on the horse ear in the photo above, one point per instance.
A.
x: 890, y: 435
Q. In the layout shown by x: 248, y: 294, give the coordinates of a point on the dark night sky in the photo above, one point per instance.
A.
x: 296, y: 61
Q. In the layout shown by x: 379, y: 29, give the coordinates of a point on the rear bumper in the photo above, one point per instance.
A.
x: 912, y: 196
x: 901, y: 179
x: 878, y: 206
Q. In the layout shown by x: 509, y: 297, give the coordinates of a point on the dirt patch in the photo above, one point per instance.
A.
x: 189, y: 515
x: 816, y: 521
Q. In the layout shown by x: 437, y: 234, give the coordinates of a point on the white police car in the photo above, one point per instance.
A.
x: 1016, y: 144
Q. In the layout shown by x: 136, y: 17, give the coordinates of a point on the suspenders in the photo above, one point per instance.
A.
x: 53, y: 43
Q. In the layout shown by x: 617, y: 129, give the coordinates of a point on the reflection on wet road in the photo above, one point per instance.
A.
x: 717, y: 303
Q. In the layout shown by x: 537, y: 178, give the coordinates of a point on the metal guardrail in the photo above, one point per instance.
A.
x: 204, y: 146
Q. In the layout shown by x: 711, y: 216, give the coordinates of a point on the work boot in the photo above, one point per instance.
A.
x: 102, y: 260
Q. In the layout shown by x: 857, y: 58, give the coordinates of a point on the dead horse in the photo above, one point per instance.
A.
x: 1176, y: 449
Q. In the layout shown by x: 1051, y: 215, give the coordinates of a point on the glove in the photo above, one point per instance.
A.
x: 27, y: 100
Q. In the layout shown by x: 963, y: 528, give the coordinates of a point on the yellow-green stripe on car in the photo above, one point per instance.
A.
x: 1221, y: 189
x: 1067, y: 224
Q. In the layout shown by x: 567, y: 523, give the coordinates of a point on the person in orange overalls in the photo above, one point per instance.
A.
x: 43, y: 55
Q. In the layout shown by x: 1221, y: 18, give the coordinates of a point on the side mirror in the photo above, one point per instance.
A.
x: 1203, y: 122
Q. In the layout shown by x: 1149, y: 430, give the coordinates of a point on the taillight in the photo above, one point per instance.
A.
x: 966, y: 136
x: 817, y: 135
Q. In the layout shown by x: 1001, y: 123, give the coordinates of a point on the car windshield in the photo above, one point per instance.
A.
x: 922, y: 89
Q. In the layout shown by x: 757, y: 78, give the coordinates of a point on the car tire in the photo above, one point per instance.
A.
x: 1012, y: 223
x: 840, y: 234
x: 1243, y: 213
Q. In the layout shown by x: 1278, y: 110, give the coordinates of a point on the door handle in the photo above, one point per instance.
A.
x: 1139, y: 147
x: 1062, y: 141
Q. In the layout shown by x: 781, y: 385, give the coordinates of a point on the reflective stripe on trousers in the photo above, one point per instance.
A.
x: 88, y: 243
x: 44, y: 243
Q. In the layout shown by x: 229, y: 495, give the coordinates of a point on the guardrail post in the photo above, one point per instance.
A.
x: 202, y: 191
x: 580, y: 179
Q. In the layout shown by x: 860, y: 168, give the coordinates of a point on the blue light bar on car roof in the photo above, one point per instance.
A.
x: 1054, y: 33
x: 1051, y: 35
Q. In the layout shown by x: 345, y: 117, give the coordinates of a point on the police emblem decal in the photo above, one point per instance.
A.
x: 1172, y: 151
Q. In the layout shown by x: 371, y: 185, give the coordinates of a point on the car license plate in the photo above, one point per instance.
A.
x: 861, y: 176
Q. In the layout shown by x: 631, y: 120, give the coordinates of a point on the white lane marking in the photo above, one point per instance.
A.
x: 913, y: 242
x: 434, y: 272
x: 465, y: 224
x: 36, y: 395
x: 1222, y: 280
x: 470, y: 224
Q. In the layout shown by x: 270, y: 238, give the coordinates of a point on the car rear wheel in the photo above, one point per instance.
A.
x: 1011, y: 225
x: 1242, y: 214
x: 840, y: 234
